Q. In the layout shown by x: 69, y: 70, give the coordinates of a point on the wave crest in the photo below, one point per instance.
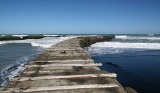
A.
x: 150, y: 37
x: 103, y: 51
x: 44, y: 42
x: 14, y: 70
x: 127, y: 45
x: 121, y: 36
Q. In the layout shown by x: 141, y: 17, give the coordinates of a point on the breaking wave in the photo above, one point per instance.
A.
x: 19, y: 65
x: 21, y: 36
x: 127, y: 45
x: 103, y: 51
x: 51, y: 35
x: 149, y: 37
x: 121, y: 36
x: 41, y: 45
x: 44, y: 42
x: 47, y: 42
x: 13, y: 70
x: 1, y: 43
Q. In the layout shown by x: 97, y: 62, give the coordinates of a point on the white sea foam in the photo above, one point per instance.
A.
x: 1, y: 43
x: 44, y: 42
x: 48, y: 41
x: 136, y: 37
x: 127, y: 45
x: 151, y: 34
x: 41, y: 45
x: 14, y: 70
x: 121, y: 36
x: 21, y: 36
x: 148, y: 38
x: 102, y: 51
x: 50, y: 35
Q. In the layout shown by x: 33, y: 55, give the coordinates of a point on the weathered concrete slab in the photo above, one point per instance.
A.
x: 39, y: 89
x: 65, y: 76
x: 64, y: 68
x: 66, y: 65
x: 66, y: 60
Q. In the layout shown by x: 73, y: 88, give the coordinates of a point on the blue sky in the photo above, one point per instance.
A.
x: 79, y: 16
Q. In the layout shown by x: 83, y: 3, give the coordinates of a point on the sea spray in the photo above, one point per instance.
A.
x: 128, y: 45
x: 15, y: 67
x: 44, y: 42
x: 103, y: 51
x: 132, y: 37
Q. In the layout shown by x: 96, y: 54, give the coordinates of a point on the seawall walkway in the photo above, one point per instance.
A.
x: 65, y: 68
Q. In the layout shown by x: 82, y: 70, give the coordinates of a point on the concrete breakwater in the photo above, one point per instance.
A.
x: 65, y: 68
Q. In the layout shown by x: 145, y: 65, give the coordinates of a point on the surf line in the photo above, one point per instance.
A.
x: 80, y: 75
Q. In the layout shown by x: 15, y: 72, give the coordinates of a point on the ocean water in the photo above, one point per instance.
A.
x: 16, y: 54
x: 135, y: 59
x: 13, y: 58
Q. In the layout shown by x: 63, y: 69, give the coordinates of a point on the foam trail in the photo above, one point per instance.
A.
x: 151, y: 34
x: 136, y: 37
x: 1, y: 43
x: 121, y: 36
x: 41, y: 45
x: 102, y: 51
x: 44, y: 42
x: 51, y: 35
x: 127, y: 45
x: 14, y: 70
x: 48, y: 41
x: 21, y: 36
